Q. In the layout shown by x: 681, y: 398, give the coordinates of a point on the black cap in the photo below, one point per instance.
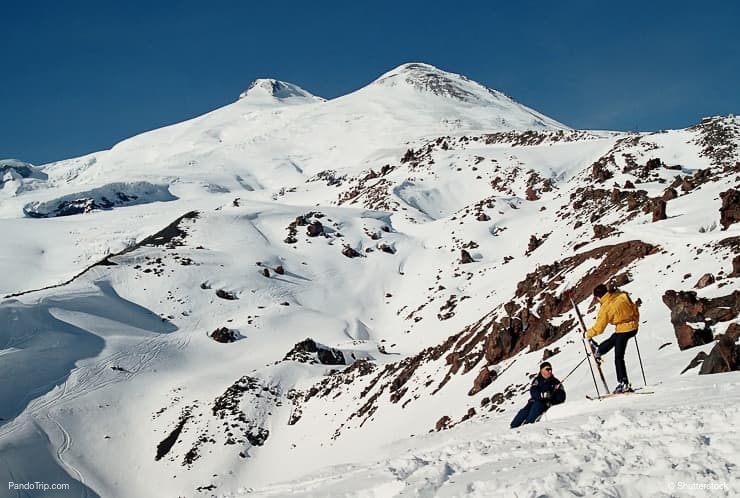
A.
x: 545, y: 364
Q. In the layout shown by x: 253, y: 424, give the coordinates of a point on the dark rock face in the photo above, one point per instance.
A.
x: 703, y: 313
x: 730, y: 210
x: 735, y: 266
x: 483, y: 380
x: 315, y: 229
x: 534, y: 243
x: 442, y: 423
x: 465, y: 257
x: 669, y: 194
x: 350, y: 252
x: 659, y: 206
x: 704, y: 281
x: 725, y: 356
x: 230, y: 296
x: 602, y: 231
x: 225, y: 335
x: 305, y: 350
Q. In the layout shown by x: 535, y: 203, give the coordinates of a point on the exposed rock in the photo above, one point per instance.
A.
x: 483, y: 217
x: 223, y: 294
x: 308, y: 351
x: 725, y: 355
x: 350, y: 252
x: 669, y: 194
x: 280, y: 270
x: 698, y: 359
x: 225, y: 335
x: 266, y: 272
x: 735, y: 266
x: 629, y: 185
x: 730, y: 210
x: 704, y: 281
x: 659, y: 206
x: 483, y: 380
x: 387, y: 249
x: 465, y: 257
x: 442, y: 423
x: 547, y: 353
x: 687, y: 309
x: 315, y: 229
x: 602, y: 231
x: 470, y: 414
x: 534, y: 243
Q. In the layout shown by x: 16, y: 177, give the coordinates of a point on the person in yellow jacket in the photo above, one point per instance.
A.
x: 616, y: 308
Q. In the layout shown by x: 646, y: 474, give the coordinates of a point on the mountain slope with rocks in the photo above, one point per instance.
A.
x: 294, y: 296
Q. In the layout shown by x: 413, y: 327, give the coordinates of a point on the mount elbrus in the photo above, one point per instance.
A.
x: 298, y: 296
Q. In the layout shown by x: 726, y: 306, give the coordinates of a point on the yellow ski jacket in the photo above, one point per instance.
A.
x: 617, y: 309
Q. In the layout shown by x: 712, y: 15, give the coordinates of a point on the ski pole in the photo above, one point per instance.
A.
x: 640, y: 358
x: 574, y: 369
x: 585, y: 347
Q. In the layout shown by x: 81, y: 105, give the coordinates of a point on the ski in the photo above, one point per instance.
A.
x: 612, y: 395
x: 593, y: 353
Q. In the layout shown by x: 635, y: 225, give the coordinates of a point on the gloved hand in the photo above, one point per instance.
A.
x: 546, y: 395
x: 594, y: 344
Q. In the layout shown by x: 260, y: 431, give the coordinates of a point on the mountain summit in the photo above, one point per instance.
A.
x: 265, y: 89
x: 426, y: 79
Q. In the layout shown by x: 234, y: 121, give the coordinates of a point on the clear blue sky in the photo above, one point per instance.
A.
x: 79, y: 76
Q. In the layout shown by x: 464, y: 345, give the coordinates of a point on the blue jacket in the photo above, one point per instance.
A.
x: 552, y: 386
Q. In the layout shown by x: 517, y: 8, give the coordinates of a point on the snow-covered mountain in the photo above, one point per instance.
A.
x: 292, y: 296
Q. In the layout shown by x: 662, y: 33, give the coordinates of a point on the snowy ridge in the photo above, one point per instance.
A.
x: 392, y: 279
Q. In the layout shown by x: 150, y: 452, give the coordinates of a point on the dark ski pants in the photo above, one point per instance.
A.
x: 618, y: 341
x: 529, y: 414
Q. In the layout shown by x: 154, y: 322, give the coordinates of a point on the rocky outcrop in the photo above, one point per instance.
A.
x: 308, y: 351
x: 659, y: 207
x: 705, y: 280
x: 225, y: 335
x: 465, y: 257
x: 693, y: 317
x: 730, y: 210
x: 725, y: 356
x: 483, y: 380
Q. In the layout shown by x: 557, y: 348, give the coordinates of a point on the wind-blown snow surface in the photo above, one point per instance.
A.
x: 284, y: 217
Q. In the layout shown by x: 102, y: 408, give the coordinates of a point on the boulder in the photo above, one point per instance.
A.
x: 704, y: 281
x: 225, y: 335
x: 730, y: 210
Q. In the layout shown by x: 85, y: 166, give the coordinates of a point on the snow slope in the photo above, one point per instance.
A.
x: 425, y: 233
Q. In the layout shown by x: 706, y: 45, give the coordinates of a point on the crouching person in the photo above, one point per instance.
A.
x: 546, y: 391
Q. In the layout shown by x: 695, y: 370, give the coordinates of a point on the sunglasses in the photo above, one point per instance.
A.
x: 547, y: 369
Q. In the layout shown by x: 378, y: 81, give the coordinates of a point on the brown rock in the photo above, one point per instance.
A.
x: 280, y: 270
x: 531, y: 194
x: 602, y: 231
x: 483, y: 380
x: 483, y: 217
x: 465, y: 257
x: 659, y: 206
x: 669, y: 194
x: 442, y: 423
x: 687, y: 309
x: 724, y: 357
x: 730, y: 210
x: 735, y: 266
x: 469, y: 415
x: 705, y: 280
x: 266, y: 272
